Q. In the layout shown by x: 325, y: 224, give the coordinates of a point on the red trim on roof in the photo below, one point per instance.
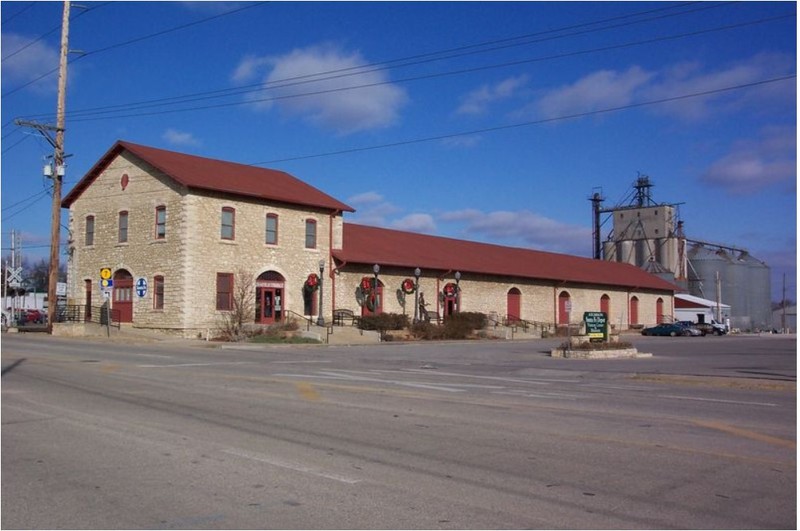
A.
x: 203, y: 173
x: 386, y: 247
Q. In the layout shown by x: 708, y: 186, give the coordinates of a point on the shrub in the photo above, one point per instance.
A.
x: 383, y: 322
x: 473, y: 320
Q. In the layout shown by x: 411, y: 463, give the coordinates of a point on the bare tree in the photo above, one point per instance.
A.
x: 234, y: 321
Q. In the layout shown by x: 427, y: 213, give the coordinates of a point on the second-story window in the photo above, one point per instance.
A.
x: 228, y: 226
x: 271, y: 237
x: 123, y: 227
x: 161, y: 222
x: 89, y: 230
x: 311, y: 234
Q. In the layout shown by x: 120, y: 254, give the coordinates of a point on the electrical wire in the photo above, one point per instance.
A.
x: 417, y: 59
x: 99, y: 114
x: 133, y: 41
x: 597, y: 112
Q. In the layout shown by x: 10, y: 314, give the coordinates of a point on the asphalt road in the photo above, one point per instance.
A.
x: 489, y: 435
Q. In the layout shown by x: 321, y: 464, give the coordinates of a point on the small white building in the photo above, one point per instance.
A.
x: 785, y: 322
x: 699, y: 310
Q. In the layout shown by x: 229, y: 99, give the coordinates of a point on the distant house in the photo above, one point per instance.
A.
x: 176, y: 230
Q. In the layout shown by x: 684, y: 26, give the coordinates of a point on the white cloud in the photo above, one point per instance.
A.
x: 30, y: 63
x: 523, y: 228
x: 372, y: 209
x: 753, y: 165
x: 365, y: 198
x: 691, y: 78
x: 479, y: 100
x: 608, y: 89
x: 416, y: 223
x: 179, y: 138
x: 599, y: 90
x: 302, y: 88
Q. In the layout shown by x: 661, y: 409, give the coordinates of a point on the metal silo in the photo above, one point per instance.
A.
x: 705, y: 264
x: 735, y: 291
x: 759, y: 291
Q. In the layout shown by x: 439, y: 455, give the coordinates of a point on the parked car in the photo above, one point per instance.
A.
x: 692, y: 328
x: 31, y: 317
x: 713, y: 327
x: 666, y: 329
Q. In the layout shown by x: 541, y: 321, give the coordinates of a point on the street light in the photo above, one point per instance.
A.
x: 320, y: 319
x: 458, y: 292
x: 417, y: 273
x: 375, y: 269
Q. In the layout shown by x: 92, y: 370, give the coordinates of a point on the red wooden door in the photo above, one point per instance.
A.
x: 563, y: 302
x: 123, y: 296
x: 514, y: 304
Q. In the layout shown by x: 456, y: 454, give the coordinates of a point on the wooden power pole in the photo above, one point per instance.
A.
x: 58, y: 172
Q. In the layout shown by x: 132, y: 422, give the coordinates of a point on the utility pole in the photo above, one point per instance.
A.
x: 58, y: 167
x: 58, y: 174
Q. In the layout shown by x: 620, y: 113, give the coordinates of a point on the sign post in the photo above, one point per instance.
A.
x: 596, y: 325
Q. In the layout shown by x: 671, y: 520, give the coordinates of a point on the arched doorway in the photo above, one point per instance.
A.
x: 564, y: 308
x: 122, y: 295
x: 659, y: 310
x: 373, y: 298
x: 514, y: 304
x: 270, y: 287
x: 605, y: 305
x: 633, y: 313
x: 450, y: 299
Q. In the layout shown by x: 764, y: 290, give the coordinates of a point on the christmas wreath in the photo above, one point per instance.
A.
x: 450, y: 290
x: 312, y: 282
x: 408, y: 286
x: 366, y: 283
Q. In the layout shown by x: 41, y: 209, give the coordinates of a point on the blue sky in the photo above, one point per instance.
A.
x: 487, y: 121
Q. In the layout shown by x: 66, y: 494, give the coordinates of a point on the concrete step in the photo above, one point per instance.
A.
x: 343, y: 335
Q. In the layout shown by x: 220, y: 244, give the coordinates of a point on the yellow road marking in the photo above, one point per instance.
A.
x: 748, y: 434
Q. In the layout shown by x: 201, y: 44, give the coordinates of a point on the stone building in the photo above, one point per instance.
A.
x: 179, y: 234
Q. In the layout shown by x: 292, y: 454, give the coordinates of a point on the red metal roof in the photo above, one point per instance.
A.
x: 216, y: 175
x: 386, y: 247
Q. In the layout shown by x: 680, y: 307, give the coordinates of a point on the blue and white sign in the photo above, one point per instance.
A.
x: 141, y: 286
x: 106, y: 283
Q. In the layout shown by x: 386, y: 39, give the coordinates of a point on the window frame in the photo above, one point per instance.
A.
x: 122, y: 230
x: 228, y: 295
x: 274, y: 232
x: 232, y: 225
x: 161, y: 225
x: 310, y: 222
x: 88, y: 235
x: 158, y: 292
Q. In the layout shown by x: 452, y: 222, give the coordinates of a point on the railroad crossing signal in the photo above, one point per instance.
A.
x: 14, y: 277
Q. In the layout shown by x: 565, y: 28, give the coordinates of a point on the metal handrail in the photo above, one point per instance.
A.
x: 310, y: 322
x: 77, y: 313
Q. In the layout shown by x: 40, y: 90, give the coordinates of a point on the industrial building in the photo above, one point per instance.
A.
x: 651, y: 236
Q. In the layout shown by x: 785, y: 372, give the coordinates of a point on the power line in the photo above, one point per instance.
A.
x: 532, y: 122
x: 86, y: 116
x: 18, y: 13
x: 132, y: 41
x: 412, y: 60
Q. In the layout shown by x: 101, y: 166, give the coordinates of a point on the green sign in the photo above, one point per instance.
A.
x: 596, y: 325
